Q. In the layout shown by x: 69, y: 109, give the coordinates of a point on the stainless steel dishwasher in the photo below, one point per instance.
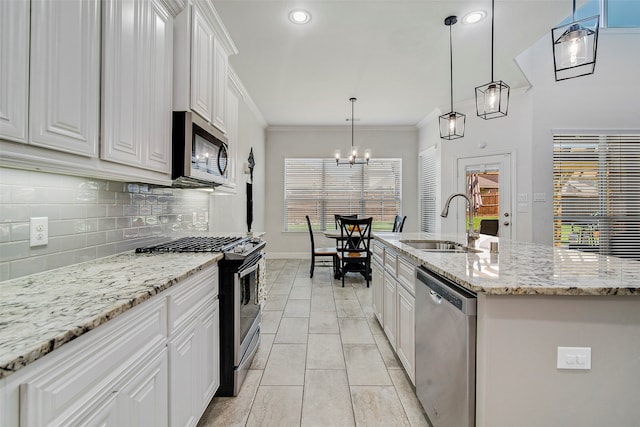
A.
x: 445, y: 350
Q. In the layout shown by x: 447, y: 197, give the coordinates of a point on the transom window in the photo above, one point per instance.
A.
x: 321, y: 189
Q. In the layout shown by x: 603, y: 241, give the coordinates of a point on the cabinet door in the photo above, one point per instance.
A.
x: 221, y: 59
x: 158, y: 75
x: 202, y: 54
x: 136, y: 91
x: 14, y: 69
x: 211, y: 354
x: 377, y: 285
x: 390, y: 308
x: 65, y: 75
x: 143, y: 401
x: 405, y: 331
x: 184, y: 377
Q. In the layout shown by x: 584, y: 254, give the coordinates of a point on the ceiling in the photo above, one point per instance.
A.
x: 393, y: 55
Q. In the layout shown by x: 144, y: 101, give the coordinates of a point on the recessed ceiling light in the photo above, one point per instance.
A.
x: 474, y: 17
x: 299, y: 16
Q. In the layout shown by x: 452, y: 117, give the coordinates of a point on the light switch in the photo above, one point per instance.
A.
x: 39, y: 231
x: 539, y: 197
x: 523, y: 207
x: 574, y: 358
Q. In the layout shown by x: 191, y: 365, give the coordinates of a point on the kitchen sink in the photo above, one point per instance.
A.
x: 444, y: 246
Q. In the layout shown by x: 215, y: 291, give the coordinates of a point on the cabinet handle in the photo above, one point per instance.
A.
x: 435, y: 297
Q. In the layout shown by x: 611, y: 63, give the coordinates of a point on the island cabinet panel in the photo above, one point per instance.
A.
x: 390, y: 320
x: 14, y: 70
x: 78, y: 381
x: 136, y: 88
x: 394, y: 303
x: 377, y: 290
x: 65, y: 76
x: 406, y: 330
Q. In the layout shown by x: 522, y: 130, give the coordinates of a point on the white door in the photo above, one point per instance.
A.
x: 491, y: 178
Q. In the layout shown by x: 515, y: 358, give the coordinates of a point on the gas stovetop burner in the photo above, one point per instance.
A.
x: 194, y: 244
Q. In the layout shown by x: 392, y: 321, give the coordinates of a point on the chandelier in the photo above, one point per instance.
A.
x: 353, y: 156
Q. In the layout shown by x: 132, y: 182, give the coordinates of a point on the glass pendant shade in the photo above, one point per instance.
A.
x: 452, y: 125
x: 574, y: 48
x: 492, y: 100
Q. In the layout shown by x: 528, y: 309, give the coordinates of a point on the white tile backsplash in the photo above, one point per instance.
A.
x: 88, y: 218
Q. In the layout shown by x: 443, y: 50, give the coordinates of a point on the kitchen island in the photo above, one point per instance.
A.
x: 532, y: 299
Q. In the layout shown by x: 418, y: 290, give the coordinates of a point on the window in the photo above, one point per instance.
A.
x: 595, y: 198
x: 613, y: 13
x: 320, y: 189
x: 429, y: 172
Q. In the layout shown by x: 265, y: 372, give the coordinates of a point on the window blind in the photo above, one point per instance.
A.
x: 320, y: 189
x: 596, y: 199
x: 429, y: 172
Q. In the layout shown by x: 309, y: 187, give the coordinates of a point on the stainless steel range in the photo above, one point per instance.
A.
x: 240, y: 300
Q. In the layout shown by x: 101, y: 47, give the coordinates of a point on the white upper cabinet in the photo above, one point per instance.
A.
x: 14, y: 69
x: 136, y: 87
x: 221, y: 61
x: 65, y: 75
x: 201, y: 53
x: 202, y: 57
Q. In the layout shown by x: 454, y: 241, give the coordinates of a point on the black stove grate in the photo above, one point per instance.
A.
x: 194, y: 244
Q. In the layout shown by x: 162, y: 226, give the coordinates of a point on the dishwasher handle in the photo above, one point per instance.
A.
x: 441, y: 288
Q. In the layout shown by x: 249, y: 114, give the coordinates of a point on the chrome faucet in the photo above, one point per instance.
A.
x: 472, y: 235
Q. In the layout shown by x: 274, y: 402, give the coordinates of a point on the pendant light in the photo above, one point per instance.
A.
x: 492, y: 99
x: 574, y: 47
x: 353, y: 156
x: 452, y: 123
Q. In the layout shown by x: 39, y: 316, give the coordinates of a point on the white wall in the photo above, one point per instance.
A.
x: 608, y: 100
x: 228, y: 212
x: 317, y: 142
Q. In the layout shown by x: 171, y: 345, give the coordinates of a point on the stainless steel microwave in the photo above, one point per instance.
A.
x: 199, y: 152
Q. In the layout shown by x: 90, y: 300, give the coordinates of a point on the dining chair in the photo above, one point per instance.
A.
x: 354, y: 251
x: 337, y: 218
x: 321, y: 252
x: 398, y: 223
x: 489, y: 227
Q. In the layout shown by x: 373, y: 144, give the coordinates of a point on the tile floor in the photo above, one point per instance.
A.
x: 323, y: 359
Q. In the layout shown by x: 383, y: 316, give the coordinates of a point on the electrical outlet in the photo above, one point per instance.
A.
x: 39, y: 231
x: 574, y: 358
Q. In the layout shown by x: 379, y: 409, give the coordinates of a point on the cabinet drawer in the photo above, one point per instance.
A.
x: 186, y: 297
x: 407, y: 274
x: 74, y: 376
x: 390, y: 261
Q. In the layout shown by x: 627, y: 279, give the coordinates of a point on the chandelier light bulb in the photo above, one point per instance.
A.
x: 491, y: 99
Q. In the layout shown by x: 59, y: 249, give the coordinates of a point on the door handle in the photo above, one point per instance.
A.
x: 506, y: 223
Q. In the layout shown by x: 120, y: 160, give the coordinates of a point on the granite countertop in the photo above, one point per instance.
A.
x: 41, y: 312
x: 523, y: 268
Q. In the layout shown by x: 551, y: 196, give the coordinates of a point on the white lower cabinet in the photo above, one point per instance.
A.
x: 194, y: 347
x: 155, y: 365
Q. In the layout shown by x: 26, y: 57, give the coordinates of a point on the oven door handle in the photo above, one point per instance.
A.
x: 249, y: 270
